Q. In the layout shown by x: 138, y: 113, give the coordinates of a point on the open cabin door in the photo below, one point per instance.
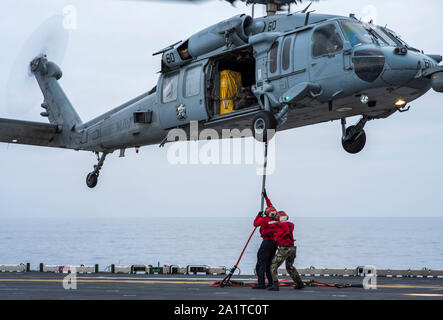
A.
x: 230, y: 77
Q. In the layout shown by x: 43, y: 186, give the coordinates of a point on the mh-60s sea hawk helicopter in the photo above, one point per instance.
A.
x: 281, y: 71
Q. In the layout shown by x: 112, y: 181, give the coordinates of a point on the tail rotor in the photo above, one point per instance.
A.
x: 22, y: 92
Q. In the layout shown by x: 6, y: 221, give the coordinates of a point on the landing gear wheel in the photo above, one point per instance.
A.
x: 356, y: 143
x: 92, y: 179
x: 261, y: 123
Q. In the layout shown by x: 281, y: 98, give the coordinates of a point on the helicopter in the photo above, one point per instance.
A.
x: 267, y: 74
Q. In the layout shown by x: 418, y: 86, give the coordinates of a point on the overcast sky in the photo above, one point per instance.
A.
x: 109, y: 60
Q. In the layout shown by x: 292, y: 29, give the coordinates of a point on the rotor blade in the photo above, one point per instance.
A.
x: 188, y: 1
x: 232, y: 2
x: 264, y: 2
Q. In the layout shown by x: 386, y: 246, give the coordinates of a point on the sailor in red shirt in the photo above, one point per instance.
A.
x: 286, y: 251
x: 266, y: 253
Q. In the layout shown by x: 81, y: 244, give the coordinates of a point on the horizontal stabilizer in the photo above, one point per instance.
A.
x: 27, y: 132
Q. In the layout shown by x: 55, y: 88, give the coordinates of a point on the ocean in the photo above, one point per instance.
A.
x: 396, y: 243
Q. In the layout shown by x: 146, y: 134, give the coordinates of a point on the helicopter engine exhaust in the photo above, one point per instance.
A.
x: 437, y: 81
x: 216, y: 35
x: 233, y: 31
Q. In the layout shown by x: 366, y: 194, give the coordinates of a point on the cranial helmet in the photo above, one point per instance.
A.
x: 271, y: 212
x: 282, y: 216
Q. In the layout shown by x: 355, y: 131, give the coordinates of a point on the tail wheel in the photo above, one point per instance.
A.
x: 91, y: 180
x: 356, y: 143
x: 261, y: 123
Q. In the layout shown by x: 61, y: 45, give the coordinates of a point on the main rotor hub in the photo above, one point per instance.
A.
x: 272, y: 6
x: 277, y: 2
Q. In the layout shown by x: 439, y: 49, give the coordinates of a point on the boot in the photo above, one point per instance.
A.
x: 300, y: 285
x: 275, y: 286
x: 259, y: 286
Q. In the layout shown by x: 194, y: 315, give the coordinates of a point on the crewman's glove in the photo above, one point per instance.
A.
x: 261, y: 213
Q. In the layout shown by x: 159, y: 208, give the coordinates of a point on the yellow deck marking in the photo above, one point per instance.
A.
x: 424, y: 294
x: 408, y: 287
x: 107, y: 281
x: 186, y: 282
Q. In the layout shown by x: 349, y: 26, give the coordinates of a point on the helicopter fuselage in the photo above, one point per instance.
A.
x: 278, y: 53
x: 303, y: 69
x: 246, y: 77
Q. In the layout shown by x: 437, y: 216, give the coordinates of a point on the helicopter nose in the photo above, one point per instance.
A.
x: 402, y: 66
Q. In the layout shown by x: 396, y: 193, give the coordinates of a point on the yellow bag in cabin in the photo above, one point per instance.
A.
x: 230, y: 83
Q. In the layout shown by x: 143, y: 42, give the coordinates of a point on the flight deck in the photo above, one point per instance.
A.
x: 105, y: 286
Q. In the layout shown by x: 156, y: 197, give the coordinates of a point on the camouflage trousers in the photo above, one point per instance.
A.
x: 285, y: 254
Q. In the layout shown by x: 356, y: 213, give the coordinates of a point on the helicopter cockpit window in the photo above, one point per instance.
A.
x: 399, y: 41
x: 326, y: 40
x: 170, y: 84
x: 384, y: 36
x: 356, y: 33
x: 395, y: 38
x: 273, y: 56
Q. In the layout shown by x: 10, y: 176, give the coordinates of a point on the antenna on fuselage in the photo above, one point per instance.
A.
x: 306, y: 9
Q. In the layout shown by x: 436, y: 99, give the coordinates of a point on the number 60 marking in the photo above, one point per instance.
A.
x: 170, y: 58
x: 272, y: 25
